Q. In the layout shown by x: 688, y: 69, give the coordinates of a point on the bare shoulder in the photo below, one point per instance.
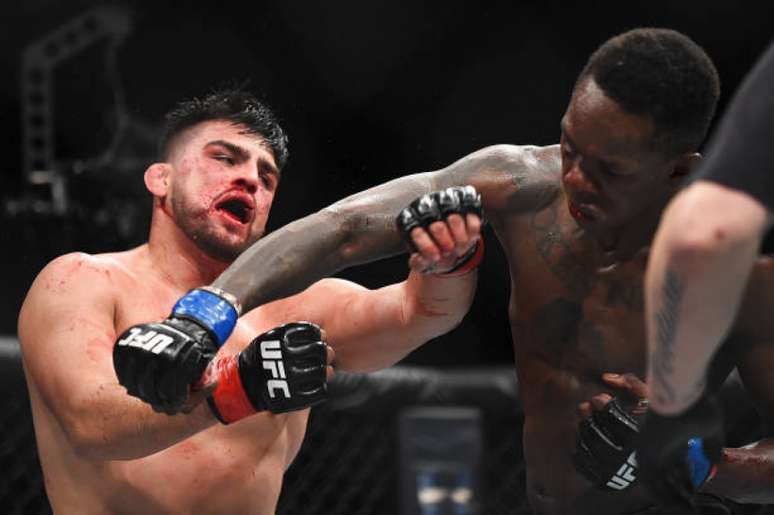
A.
x: 68, y: 283
x: 510, y: 178
x: 78, y: 266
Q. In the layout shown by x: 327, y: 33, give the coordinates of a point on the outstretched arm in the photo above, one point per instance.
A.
x: 373, y: 329
x: 356, y: 230
x: 361, y: 228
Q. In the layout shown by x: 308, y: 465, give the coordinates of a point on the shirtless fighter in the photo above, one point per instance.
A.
x: 103, y: 451
x: 575, y: 220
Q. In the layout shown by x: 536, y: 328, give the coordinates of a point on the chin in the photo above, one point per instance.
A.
x: 221, y: 250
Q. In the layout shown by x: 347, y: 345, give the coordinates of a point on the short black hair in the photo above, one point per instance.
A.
x: 663, y: 74
x: 234, y: 105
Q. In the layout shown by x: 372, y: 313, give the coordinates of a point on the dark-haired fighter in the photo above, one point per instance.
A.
x: 575, y: 220
x: 702, y: 257
x: 103, y: 451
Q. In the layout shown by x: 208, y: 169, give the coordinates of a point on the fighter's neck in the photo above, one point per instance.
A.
x: 625, y: 243
x: 176, y: 259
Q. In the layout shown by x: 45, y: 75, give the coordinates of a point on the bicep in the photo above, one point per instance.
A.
x: 508, y: 177
x: 66, y: 333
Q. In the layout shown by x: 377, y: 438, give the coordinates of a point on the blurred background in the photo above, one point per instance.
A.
x: 368, y: 91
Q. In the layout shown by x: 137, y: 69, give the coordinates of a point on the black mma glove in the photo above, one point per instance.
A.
x: 673, y: 477
x: 157, y: 362
x: 282, y: 370
x: 437, y: 206
x: 605, y: 447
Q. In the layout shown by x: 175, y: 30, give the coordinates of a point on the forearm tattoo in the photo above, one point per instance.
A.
x: 667, y: 319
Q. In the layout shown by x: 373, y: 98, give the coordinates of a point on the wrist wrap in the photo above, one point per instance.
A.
x: 212, y: 308
x: 229, y: 401
x: 468, y: 262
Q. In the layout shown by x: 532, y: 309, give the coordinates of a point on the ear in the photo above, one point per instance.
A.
x: 157, y: 179
x: 684, y: 165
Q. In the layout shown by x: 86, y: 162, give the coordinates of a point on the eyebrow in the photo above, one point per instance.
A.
x: 562, y: 128
x: 243, y: 154
x: 616, y: 165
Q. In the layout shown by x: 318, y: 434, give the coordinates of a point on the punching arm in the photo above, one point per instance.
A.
x: 361, y: 228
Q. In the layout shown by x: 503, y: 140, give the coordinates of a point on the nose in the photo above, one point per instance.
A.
x: 576, y: 177
x: 247, y: 179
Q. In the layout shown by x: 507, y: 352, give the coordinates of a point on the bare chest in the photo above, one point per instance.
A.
x: 570, y: 321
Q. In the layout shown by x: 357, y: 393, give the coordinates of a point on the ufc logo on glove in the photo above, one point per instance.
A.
x: 272, y: 361
x: 625, y: 475
x: 151, y: 341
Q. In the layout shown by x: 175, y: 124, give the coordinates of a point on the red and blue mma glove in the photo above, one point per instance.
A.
x: 436, y: 207
x: 607, y: 455
x: 671, y: 475
x: 157, y: 362
x: 282, y: 370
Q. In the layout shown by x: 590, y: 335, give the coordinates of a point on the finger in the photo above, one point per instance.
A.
x: 584, y: 409
x: 425, y: 245
x: 323, y: 336
x: 329, y: 372
x: 600, y: 400
x: 330, y: 355
x: 459, y: 232
x: 474, y: 225
x: 442, y: 236
x: 628, y: 382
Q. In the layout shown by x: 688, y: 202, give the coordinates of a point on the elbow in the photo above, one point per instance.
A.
x: 705, y: 223
x: 89, y: 443
x: 715, y: 245
x: 689, y: 243
x: 88, y: 446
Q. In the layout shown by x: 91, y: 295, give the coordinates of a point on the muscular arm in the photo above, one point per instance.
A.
x: 361, y: 228
x: 373, y: 329
x: 66, y: 329
x: 700, y: 262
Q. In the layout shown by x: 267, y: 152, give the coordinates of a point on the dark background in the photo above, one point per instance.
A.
x: 367, y: 90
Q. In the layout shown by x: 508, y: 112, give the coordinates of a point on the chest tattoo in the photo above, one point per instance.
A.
x: 563, y: 262
x: 567, y: 339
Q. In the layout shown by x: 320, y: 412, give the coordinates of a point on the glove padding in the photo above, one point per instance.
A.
x: 671, y: 476
x: 282, y: 370
x: 157, y: 362
x: 437, y: 206
x: 605, y: 447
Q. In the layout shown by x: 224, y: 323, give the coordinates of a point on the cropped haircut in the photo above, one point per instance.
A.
x: 232, y: 105
x: 662, y: 74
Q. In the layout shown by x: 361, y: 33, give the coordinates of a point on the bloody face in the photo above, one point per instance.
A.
x: 221, y: 187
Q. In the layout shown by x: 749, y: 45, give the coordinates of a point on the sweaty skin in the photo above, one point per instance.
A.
x: 105, y: 452
x: 576, y: 307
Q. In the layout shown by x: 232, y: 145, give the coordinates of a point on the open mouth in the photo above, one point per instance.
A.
x: 237, y: 209
x: 578, y: 213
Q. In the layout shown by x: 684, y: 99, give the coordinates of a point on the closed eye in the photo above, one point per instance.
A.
x: 224, y: 158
